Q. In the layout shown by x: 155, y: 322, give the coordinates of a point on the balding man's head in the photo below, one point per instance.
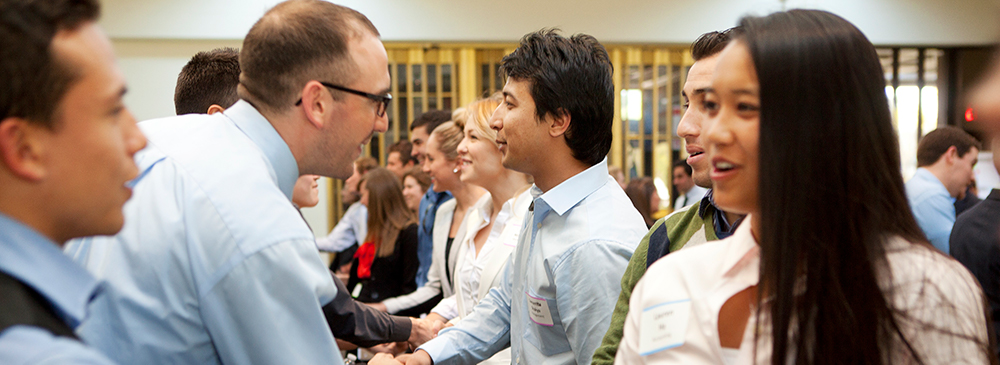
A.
x: 297, y: 41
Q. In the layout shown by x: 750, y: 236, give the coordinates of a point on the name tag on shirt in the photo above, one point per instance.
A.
x: 538, y: 311
x: 663, y: 326
x: 357, y: 290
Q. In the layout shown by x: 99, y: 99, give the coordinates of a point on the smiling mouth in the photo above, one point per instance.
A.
x: 723, y: 166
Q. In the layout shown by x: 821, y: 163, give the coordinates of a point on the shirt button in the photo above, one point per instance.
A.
x: 539, y: 226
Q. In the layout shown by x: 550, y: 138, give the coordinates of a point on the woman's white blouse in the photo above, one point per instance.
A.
x: 675, y: 307
x: 469, y: 269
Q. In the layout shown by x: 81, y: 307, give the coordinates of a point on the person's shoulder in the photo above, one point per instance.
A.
x: 32, y: 345
x: 918, y: 264
x: 695, y: 258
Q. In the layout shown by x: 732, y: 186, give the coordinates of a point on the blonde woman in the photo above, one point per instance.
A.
x: 494, y: 222
x: 443, y: 166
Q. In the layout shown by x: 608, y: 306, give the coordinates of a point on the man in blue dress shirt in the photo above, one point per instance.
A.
x: 945, y: 158
x: 420, y: 131
x: 559, y: 288
x: 66, y: 147
x: 214, y: 264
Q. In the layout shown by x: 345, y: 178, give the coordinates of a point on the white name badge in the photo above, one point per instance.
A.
x: 538, y: 311
x: 663, y: 326
x: 357, y: 290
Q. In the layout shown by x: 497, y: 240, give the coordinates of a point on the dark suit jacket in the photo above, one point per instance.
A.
x: 393, y: 275
x: 975, y: 242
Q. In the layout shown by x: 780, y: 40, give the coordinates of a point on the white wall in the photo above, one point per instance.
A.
x: 886, y: 22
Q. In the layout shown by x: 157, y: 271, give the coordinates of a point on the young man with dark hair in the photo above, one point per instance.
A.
x: 688, y: 226
x: 420, y: 131
x: 66, y: 148
x: 207, y: 83
x: 214, y: 263
x: 421, y: 128
x: 400, y: 159
x: 945, y: 157
x: 558, y: 289
x: 688, y: 192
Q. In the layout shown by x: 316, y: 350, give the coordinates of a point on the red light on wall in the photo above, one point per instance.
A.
x: 969, y: 116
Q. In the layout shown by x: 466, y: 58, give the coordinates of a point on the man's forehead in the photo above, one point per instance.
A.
x: 700, y: 74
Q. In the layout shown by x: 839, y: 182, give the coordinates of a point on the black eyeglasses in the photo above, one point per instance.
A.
x: 382, y: 100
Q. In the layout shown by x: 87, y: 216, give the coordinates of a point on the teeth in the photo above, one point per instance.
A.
x: 723, y: 165
x: 696, y: 153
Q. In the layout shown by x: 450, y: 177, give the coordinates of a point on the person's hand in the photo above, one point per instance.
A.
x: 436, y: 317
x: 383, y: 359
x: 378, y: 306
x: 422, y: 330
x: 420, y: 357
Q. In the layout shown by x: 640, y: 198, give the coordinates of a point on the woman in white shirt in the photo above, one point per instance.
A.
x: 443, y: 166
x: 832, y: 268
x: 493, y: 224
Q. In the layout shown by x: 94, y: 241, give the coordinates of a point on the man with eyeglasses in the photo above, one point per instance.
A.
x: 214, y: 264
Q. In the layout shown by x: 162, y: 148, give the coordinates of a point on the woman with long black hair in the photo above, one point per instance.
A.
x: 832, y: 268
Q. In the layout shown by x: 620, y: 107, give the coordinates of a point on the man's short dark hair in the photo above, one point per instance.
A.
x: 32, y: 80
x: 569, y: 76
x: 683, y: 163
x: 936, y: 143
x: 711, y: 43
x: 404, y: 148
x: 431, y: 120
x: 294, y: 42
x: 208, y: 78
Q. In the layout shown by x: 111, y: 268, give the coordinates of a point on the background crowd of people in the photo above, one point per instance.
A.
x: 497, y: 233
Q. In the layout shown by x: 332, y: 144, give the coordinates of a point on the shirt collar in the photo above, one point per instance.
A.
x: 570, y: 192
x: 924, y: 175
x: 39, y: 263
x: 263, y: 134
x: 744, y: 251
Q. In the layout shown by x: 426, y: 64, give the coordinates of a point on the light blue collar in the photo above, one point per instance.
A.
x: 263, y: 134
x: 570, y: 192
x: 38, y: 262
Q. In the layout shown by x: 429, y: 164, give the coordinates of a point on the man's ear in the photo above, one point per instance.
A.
x: 314, y: 104
x: 559, y: 122
x: 951, y: 155
x: 22, y: 149
x: 215, y: 108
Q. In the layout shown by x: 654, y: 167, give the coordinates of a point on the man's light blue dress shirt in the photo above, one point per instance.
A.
x: 214, y: 264
x: 37, y: 262
x: 933, y: 207
x: 352, y: 228
x: 572, y: 251
x: 429, y: 205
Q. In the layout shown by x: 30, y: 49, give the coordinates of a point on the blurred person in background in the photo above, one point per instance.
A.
x: 400, y: 159
x: 385, y: 265
x: 688, y: 192
x: 415, y: 183
x: 420, y: 130
x: 945, y: 160
x: 644, y: 197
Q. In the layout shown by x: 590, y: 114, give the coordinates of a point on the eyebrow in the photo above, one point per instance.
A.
x: 509, y: 95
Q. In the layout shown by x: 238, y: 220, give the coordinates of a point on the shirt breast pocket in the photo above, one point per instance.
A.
x: 545, y: 330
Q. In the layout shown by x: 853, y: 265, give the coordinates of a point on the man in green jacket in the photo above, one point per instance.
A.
x: 689, y: 226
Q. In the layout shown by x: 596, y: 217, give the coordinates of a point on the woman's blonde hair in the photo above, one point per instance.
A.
x: 387, y: 211
x: 478, y: 113
x: 448, y: 136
